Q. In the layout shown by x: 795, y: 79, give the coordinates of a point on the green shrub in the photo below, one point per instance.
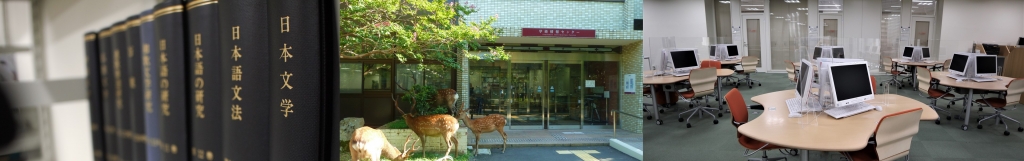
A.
x: 424, y: 96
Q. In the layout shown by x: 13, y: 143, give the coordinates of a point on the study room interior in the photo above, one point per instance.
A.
x: 833, y: 79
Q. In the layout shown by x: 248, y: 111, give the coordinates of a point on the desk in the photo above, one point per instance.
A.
x: 848, y: 134
x: 669, y: 79
x: 998, y: 85
x: 913, y: 68
x: 727, y: 62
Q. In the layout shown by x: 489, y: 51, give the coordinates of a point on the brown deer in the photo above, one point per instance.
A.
x: 487, y: 124
x: 370, y: 143
x: 446, y: 98
x: 441, y: 125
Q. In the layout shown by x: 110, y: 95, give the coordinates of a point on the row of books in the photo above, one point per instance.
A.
x: 216, y: 80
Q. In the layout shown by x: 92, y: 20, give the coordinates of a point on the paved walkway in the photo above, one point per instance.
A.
x: 574, y: 137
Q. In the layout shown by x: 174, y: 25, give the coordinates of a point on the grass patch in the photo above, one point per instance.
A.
x: 397, y: 124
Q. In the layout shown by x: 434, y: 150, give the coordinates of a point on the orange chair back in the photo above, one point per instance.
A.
x: 711, y: 63
x: 873, y: 84
x: 738, y: 107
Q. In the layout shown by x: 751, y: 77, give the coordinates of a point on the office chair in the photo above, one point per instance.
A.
x: 749, y: 65
x: 893, y: 70
x: 791, y: 71
x: 702, y: 85
x: 873, y: 89
x: 739, y: 117
x: 927, y: 88
x: 1012, y: 97
x: 892, y: 137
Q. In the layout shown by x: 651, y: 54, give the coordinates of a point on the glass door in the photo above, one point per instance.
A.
x: 921, y: 30
x: 753, y: 34
x: 564, y: 95
x: 831, y: 30
x: 528, y: 91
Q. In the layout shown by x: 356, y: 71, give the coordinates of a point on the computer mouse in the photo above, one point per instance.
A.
x: 878, y: 108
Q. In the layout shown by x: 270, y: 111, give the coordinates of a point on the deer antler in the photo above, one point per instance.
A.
x: 405, y: 149
x: 396, y: 104
x: 409, y: 91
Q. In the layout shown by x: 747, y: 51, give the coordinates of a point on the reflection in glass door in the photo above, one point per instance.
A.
x: 528, y: 93
x: 830, y: 30
x: 922, y: 28
x: 752, y: 43
x: 564, y: 98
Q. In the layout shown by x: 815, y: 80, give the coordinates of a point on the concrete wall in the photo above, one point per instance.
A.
x: 967, y: 22
x: 632, y: 58
x: 668, y: 23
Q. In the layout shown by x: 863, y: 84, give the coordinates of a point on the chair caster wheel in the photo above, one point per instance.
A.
x: 954, y: 103
x: 979, y: 109
x: 949, y: 118
x: 963, y: 127
x: 719, y: 115
x: 1019, y: 129
x: 688, y: 125
x: 1000, y: 122
x: 661, y: 111
x: 680, y: 119
x: 659, y: 122
x: 750, y: 86
x: 947, y: 106
x: 1006, y: 133
x: 715, y: 122
x: 937, y: 122
x: 649, y: 117
x: 759, y: 84
x: 979, y: 126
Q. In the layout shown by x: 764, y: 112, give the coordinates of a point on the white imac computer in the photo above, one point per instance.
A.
x: 985, y: 65
x: 908, y: 52
x: 959, y: 63
x: 851, y: 83
x: 681, y: 61
x: 925, y: 54
x: 729, y: 50
x: 837, y: 52
x: 828, y: 52
x: 817, y: 53
x: 804, y: 78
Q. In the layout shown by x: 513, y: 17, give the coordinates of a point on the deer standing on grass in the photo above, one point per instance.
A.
x: 487, y: 124
x: 370, y: 143
x: 446, y: 97
x: 442, y: 125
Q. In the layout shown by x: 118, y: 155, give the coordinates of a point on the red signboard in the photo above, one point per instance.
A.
x: 544, y: 32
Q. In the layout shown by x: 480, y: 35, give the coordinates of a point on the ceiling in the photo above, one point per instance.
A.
x: 919, y: 7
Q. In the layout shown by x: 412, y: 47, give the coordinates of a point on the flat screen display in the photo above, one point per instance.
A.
x: 733, y: 51
x: 985, y: 64
x: 802, y: 78
x: 925, y: 53
x: 958, y: 63
x: 851, y: 81
x: 908, y: 52
x: 817, y: 52
x: 838, y: 53
x: 683, y: 59
x: 712, y: 49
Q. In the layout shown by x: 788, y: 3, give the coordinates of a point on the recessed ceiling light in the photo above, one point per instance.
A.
x: 896, y: 6
x: 726, y: 2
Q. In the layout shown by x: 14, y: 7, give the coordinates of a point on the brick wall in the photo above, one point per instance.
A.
x: 632, y: 58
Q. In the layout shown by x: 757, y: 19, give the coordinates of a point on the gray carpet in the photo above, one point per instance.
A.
x: 707, y: 141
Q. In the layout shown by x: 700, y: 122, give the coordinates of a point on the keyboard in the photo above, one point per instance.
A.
x: 849, y: 110
x: 983, y: 79
x: 681, y: 74
x: 956, y: 77
x: 795, y: 107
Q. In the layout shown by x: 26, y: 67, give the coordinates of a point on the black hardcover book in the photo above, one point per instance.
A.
x: 173, y: 80
x: 136, y: 132
x: 107, y: 87
x: 246, y: 67
x: 92, y: 58
x: 303, y: 62
x: 151, y: 91
x: 122, y: 101
x: 206, y: 77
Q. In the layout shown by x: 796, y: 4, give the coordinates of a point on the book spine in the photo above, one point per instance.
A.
x: 136, y: 131
x: 173, y: 81
x: 92, y: 57
x: 121, y: 92
x: 149, y: 85
x: 107, y: 81
x: 206, y: 77
x: 298, y: 68
x: 247, y: 104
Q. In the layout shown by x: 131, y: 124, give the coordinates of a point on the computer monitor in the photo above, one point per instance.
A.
x: 1020, y: 41
x: 804, y: 78
x: 958, y: 65
x: 733, y: 51
x: 908, y: 52
x: 985, y: 65
x: 681, y: 59
x: 851, y: 83
x: 837, y: 52
x: 817, y: 52
x: 925, y: 54
x: 991, y: 49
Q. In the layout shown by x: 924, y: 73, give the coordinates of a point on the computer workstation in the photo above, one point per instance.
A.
x: 916, y: 54
x: 973, y: 66
x: 730, y: 50
x: 681, y: 61
x: 845, y: 87
x: 828, y: 52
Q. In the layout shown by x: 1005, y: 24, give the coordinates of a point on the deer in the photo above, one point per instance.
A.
x: 490, y: 123
x: 446, y: 98
x: 442, y: 125
x: 370, y: 143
